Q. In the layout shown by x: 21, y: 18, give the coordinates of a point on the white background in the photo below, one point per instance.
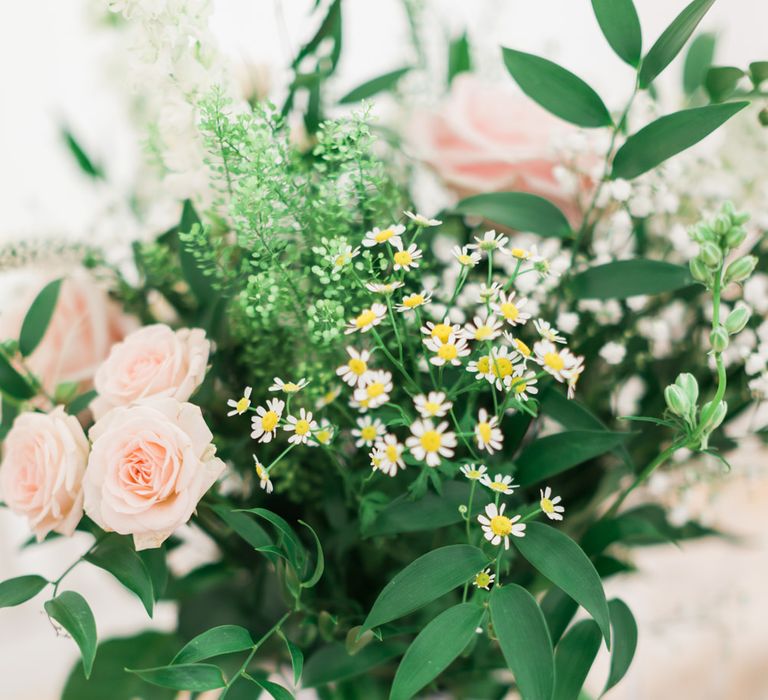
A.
x: 700, y: 609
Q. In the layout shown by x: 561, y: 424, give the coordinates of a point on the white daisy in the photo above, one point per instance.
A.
x: 549, y: 505
x: 367, y: 319
x: 421, y: 220
x: 406, y: 258
x: 414, y: 301
x: 497, y: 526
x: 383, y: 287
x: 328, y: 397
x: 472, y: 472
x: 510, y: 310
x: 488, y: 293
x: 324, y: 433
x: 374, y: 389
x: 561, y: 363
x: 368, y: 431
x: 501, y: 483
x: 288, y: 387
x: 524, y: 385
x: 531, y: 253
x: 449, y: 352
x: 440, y: 330
x: 487, y: 432
x: 484, y: 579
x: 481, y: 367
x: 519, y: 345
x: 264, y: 424
x: 490, y: 241
x: 379, y: 236
x: 344, y: 256
x: 301, y: 427
x: 241, y: 405
x: 502, y: 366
x: 548, y: 332
x: 356, y: 368
x: 433, y: 405
x: 390, y: 452
x: 481, y: 329
x: 263, y: 475
x: 465, y: 256
x: 429, y: 443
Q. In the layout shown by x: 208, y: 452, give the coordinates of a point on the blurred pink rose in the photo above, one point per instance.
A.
x: 44, y: 458
x: 489, y: 138
x: 154, y: 361
x: 150, y: 464
x: 85, y: 325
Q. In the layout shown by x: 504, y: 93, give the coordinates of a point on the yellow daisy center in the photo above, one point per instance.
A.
x: 384, y: 235
x: 442, y: 332
x: 403, y: 258
x: 369, y: 433
x: 509, y: 311
x: 302, y: 427
x: 448, y: 351
x: 392, y: 453
x: 465, y: 259
x: 432, y: 407
x: 374, y: 390
x: 482, y: 580
x: 365, y: 319
x: 484, y: 365
x: 554, y: 361
x: 323, y: 436
x: 522, y: 348
x: 342, y: 260
x: 430, y: 441
x: 413, y: 301
x: 483, y: 332
x: 358, y: 367
x: 269, y: 421
x: 520, y: 253
x: 291, y: 387
x: 501, y: 367
x: 484, y: 431
x: 242, y: 405
x: 473, y: 474
x: 547, y: 506
x: 330, y: 397
x: 519, y: 387
x: 261, y: 472
x: 501, y: 525
x: 498, y: 486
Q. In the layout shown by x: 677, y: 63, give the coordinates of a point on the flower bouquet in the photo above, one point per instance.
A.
x: 417, y: 443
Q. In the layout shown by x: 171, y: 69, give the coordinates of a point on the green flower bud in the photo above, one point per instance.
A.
x: 717, y: 417
x: 677, y: 401
x: 737, y: 319
x: 711, y: 255
x: 687, y: 382
x: 700, y: 272
x: 722, y: 224
x: 740, y: 269
x: 719, y: 339
x: 735, y: 237
x: 701, y: 233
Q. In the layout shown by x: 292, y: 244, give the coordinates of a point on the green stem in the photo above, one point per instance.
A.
x: 280, y: 456
x: 275, y: 628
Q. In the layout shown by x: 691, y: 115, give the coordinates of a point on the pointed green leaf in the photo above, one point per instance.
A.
x: 697, y: 62
x: 559, y: 609
x: 333, y: 663
x: 621, y: 27
x: 226, y: 639
x: 80, y: 403
x: 672, y: 40
x: 84, y: 161
x: 524, y: 639
x: 71, y: 611
x: 297, y: 658
x: 556, y: 453
x: 197, y: 281
x: 436, y: 646
x: 289, y: 539
x: 459, y: 57
x: 12, y: 383
x: 319, y: 560
x: 558, y: 558
x: 372, y: 87
x: 758, y: 72
x: 275, y: 690
x: 157, y: 567
x: 518, y: 210
x: 556, y: 89
x: 38, y: 317
x: 16, y: 591
x: 574, y: 656
x: 627, y: 278
x: 194, y: 677
x: 721, y: 81
x: 117, y: 556
x: 668, y: 136
x: 624, y: 641
x: 432, y: 575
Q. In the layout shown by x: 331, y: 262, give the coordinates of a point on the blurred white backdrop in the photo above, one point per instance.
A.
x: 54, y: 59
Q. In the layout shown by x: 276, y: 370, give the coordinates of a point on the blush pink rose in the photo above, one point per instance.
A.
x: 83, y: 328
x: 489, y: 138
x: 44, y: 459
x: 150, y: 464
x: 154, y: 361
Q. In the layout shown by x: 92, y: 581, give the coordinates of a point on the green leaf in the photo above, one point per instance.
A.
x: 672, y: 40
x: 697, y: 62
x: 157, y: 567
x: 524, y: 639
x: 621, y: 27
x: 624, y: 641
x: 626, y: 528
x: 195, y: 677
x: 518, y: 210
x: 38, y: 317
x: 558, y: 558
x: 117, y: 556
x: 297, y: 658
x: 721, y: 81
x: 71, y: 611
x: 557, y: 90
x: 80, y: 403
x: 668, y: 136
x: 85, y: 163
x: 226, y: 639
x: 574, y: 657
x: 197, y: 281
x: 459, y: 57
x: 435, y: 647
x: 333, y: 663
x: 432, y: 575
x: 627, y: 278
x: 289, y: 540
x: 553, y: 454
x: 319, y: 560
x: 275, y: 690
x: 245, y: 526
x: 373, y: 87
x: 559, y: 609
x: 758, y: 72
x: 12, y: 383
x: 16, y: 591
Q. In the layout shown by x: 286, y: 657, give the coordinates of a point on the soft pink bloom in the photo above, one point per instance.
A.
x: 150, y: 464
x: 488, y: 137
x: 44, y: 458
x: 85, y: 325
x: 154, y: 361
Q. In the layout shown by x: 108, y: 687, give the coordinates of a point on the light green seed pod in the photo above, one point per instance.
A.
x: 677, y: 401
x: 719, y: 339
x: 735, y: 237
x: 700, y: 272
x: 687, y: 382
x: 740, y: 269
x: 711, y: 255
x: 737, y: 319
x: 717, y: 417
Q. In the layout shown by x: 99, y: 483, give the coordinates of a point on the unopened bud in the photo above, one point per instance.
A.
x: 711, y: 255
x: 700, y: 272
x: 701, y: 233
x: 722, y: 224
x: 687, y: 382
x: 740, y: 269
x: 737, y: 319
x: 719, y: 339
x: 677, y: 401
x: 735, y: 237
x: 714, y: 420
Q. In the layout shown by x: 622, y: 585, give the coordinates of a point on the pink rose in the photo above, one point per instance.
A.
x: 150, y: 464
x: 489, y: 138
x: 154, y: 361
x: 44, y: 458
x: 83, y: 328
